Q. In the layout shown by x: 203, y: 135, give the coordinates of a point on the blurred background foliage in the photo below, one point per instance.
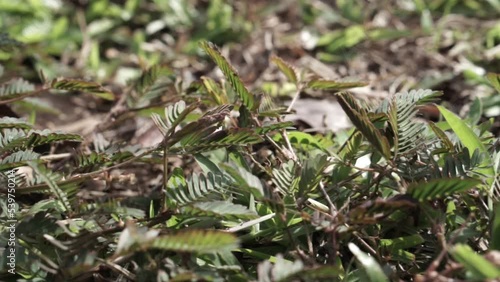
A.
x: 101, y: 36
x: 404, y: 43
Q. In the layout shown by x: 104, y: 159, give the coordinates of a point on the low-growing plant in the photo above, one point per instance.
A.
x: 397, y: 197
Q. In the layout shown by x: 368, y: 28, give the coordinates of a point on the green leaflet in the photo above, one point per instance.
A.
x: 495, y: 230
x: 176, y: 113
x: 209, y: 139
x: 374, y: 272
x: 402, y: 242
x: 438, y: 188
x: 302, y: 140
x: 442, y: 136
x: 478, y: 266
x: 8, y: 44
x: 152, y: 83
x: 196, y: 241
x: 261, y: 130
x: 17, y: 159
x: 494, y: 79
x: 284, y: 177
x: 214, y: 91
x: 193, y: 132
x: 286, y: 69
x: 311, y: 174
x: 322, y: 273
x: 245, y: 180
x: 401, y: 110
x: 82, y: 85
x: 359, y: 118
x: 463, y: 131
x: 50, y: 180
x: 281, y: 270
x: 92, y: 160
x: 197, y: 188
x: 220, y: 209
x: 15, y: 87
x: 144, y: 83
x: 10, y: 122
x: 206, y: 164
x: 333, y: 85
x: 470, y: 140
x: 230, y: 74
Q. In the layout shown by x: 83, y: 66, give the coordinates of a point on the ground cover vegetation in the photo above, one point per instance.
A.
x: 152, y: 140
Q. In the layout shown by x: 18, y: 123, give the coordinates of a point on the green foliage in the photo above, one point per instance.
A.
x: 15, y: 87
x: 230, y: 191
x: 287, y: 69
x: 247, y: 98
x: 471, y: 141
x: 333, y: 85
x: 411, y: 165
x: 360, y: 119
x: 81, y: 85
x: 495, y: 230
x: 478, y: 268
x: 439, y: 188
x: 372, y: 270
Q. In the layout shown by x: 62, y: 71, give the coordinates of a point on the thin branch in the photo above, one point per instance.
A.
x: 20, y: 97
x: 333, y: 209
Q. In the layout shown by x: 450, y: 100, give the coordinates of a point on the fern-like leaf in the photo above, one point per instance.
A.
x: 333, y: 85
x: 198, y: 188
x: 174, y: 114
x: 438, y: 188
x: 152, y: 83
x: 91, y: 161
x: 402, y: 109
x: 266, y: 128
x: 448, y: 145
x: 14, y: 88
x: 220, y: 209
x: 202, y: 140
x: 244, y: 180
x: 149, y: 77
x: 288, y: 70
x: 215, y: 91
x: 17, y: 159
x: 359, y: 118
x: 284, y: 177
x: 10, y: 122
x: 197, y: 241
x: 51, y: 181
x: 311, y: 174
x: 194, y: 131
x: 82, y: 85
x: 230, y: 74
x: 13, y: 139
